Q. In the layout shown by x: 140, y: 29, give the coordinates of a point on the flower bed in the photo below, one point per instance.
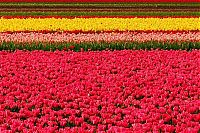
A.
x: 99, y: 24
x: 99, y: 37
x: 117, y: 91
x: 99, y: 67
x: 141, y: 15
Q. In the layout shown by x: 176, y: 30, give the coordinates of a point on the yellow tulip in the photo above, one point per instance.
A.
x: 98, y: 24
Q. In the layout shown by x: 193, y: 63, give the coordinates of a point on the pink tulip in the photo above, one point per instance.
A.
x: 77, y: 92
x: 99, y: 37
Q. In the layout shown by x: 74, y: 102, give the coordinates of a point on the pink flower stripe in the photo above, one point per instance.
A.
x: 99, y: 37
x: 120, y: 91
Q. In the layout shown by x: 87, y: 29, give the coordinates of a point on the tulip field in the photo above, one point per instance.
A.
x: 116, y: 66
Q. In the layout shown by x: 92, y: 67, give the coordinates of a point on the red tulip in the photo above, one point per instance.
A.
x: 151, y: 90
x: 71, y: 47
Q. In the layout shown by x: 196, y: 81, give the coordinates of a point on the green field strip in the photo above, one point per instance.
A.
x: 101, y: 4
x: 99, y: 13
x: 94, y: 46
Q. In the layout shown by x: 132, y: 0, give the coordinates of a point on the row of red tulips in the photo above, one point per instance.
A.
x: 119, y: 91
x: 72, y: 17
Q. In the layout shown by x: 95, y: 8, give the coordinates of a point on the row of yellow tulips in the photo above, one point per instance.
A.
x: 98, y: 24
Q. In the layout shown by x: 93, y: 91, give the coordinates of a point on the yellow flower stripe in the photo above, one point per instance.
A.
x: 98, y: 24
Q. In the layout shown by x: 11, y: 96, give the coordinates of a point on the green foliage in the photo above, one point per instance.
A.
x: 98, y: 46
x: 95, y: 4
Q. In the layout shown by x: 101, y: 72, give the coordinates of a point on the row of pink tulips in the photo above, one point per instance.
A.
x: 119, y: 91
x: 98, y: 37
